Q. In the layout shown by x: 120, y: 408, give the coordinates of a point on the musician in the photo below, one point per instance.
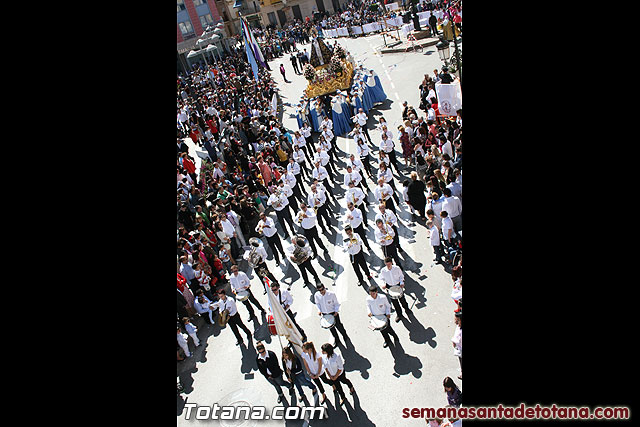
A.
x: 202, y: 304
x: 377, y: 304
x: 354, y: 247
x: 383, y: 193
x: 388, y: 146
x: 307, y: 220
x: 298, y: 156
x: 260, y: 268
x: 322, y: 156
x: 324, y: 141
x: 327, y: 303
x: 279, y: 202
x: 362, y: 150
x: 352, y: 176
x: 268, y: 366
x: 240, y: 282
x: 321, y: 174
x: 358, y: 166
x: 353, y: 218
x: 318, y: 200
x: 393, y: 276
x: 326, y: 126
x: 356, y: 196
x: 306, y: 132
x: 385, y: 237
x: 361, y: 120
x: 301, y: 142
x: 384, y: 172
x: 301, y: 254
x: 267, y: 226
x: 287, y: 191
x: 285, y: 299
x: 227, y: 303
x: 292, y: 179
x: 391, y: 220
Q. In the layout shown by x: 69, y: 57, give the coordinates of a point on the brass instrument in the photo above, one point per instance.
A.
x: 387, y: 236
x: 223, y: 317
x: 300, y: 253
x: 254, y: 259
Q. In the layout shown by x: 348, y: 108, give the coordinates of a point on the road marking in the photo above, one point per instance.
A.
x: 396, y: 94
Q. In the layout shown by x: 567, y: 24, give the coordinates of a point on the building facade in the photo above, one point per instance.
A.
x: 193, y: 17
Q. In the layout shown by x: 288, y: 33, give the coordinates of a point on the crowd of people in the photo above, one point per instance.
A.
x: 252, y: 166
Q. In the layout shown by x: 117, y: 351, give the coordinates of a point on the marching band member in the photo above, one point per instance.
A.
x: 328, y: 148
x: 301, y: 142
x: 393, y: 276
x: 279, y: 202
x: 384, y: 172
x: 317, y: 199
x: 362, y: 150
x: 307, y: 220
x: 388, y: 146
x: 354, y: 247
x: 292, y: 181
x: 227, y: 303
x: 285, y: 299
x: 322, y: 156
x: 385, y: 238
x: 320, y: 173
x: 298, y: 156
x: 262, y: 263
x: 306, y: 132
x: 301, y: 254
x: 240, y: 282
x: 288, y: 193
x: 353, y: 176
x: 327, y: 303
x: 327, y: 124
x: 361, y: 119
x: 356, y: 196
x: 383, y: 193
x: 267, y: 226
x: 391, y: 220
x: 353, y: 218
x: 377, y: 304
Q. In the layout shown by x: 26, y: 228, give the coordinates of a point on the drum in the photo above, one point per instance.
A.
x: 378, y: 322
x: 242, y: 295
x: 272, y: 325
x: 328, y: 321
x: 395, y: 292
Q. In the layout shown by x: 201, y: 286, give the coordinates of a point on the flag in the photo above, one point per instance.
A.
x: 254, y: 43
x: 283, y: 323
x: 250, y: 55
x: 449, y: 98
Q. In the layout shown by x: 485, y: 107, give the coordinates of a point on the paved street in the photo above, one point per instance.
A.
x: 385, y: 380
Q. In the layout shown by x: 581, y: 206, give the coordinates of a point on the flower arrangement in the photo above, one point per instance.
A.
x: 324, y: 75
x: 309, y: 72
x: 336, y: 64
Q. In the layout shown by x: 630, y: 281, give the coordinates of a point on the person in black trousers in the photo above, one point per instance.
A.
x: 433, y: 25
x: 269, y: 367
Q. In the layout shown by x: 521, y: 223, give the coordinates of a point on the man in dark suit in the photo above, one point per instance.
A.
x: 269, y: 367
x: 182, y: 147
x: 433, y: 24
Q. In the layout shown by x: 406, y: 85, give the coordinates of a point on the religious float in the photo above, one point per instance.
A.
x: 327, y: 72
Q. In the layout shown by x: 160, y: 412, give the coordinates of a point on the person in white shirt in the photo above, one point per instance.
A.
x: 385, y: 173
x: 306, y: 132
x: 384, y: 194
x: 313, y: 364
x: 321, y: 174
x: 388, y: 147
x: 279, y: 201
x: 202, y: 304
x: 182, y: 342
x: 240, y: 282
x: 362, y: 150
x: 298, y: 156
x: 453, y: 206
x: 318, y: 200
x: 287, y: 191
x: 301, y: 142
x: 448, y: 234
x: 361, y: 119
x: 353, y: 218
x: 353, y: 244
x: 457, y: 340
x: 327, y: 303
x: 292, y: 181
x: 434, y: 238
x: 392, y: 275
x: 356, y: 196
x: 227, y: 303
x: 326, y: 140
x: 286, y: 300
x: 303, y: 262
x: 378, y: 305
x: 267, y: 226
x: 192, y: 331
x: 307, y: 220
x: 390, y: 220
x: 322, y: 156
x: 385, y: 237
x: 334, y: 370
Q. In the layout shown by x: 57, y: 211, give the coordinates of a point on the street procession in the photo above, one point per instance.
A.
x: 319, y: 214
